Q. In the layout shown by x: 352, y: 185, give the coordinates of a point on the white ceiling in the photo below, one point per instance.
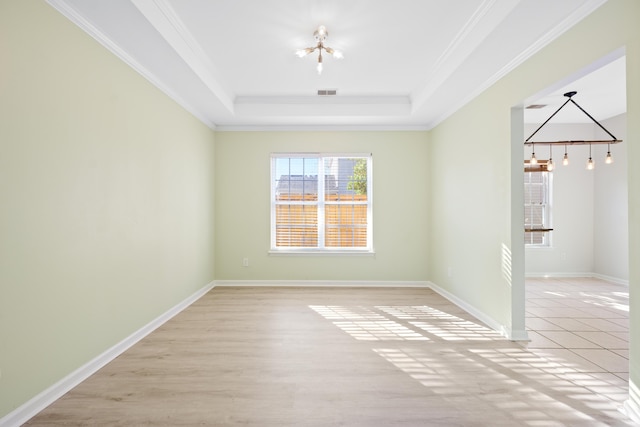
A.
x: 602, y: 92
x: 408, y: 63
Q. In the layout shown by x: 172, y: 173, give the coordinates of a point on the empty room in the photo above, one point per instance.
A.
x: 315, y: 212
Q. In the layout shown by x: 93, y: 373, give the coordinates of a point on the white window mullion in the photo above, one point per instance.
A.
x: 369, y: 203
x: 321, y: 184
x: 273, y: 204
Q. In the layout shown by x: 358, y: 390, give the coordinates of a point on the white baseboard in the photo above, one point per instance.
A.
x: 632, y: 405
x: 33, y: 406
x: 325, y: 283
x: 611, y: 279
x: 556, y: 275
x: 510, y: 334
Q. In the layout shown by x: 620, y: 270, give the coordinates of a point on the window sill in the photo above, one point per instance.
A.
x: 315, y: 252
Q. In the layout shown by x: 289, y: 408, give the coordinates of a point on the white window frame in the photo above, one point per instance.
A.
x: 547, y: 187
x: 321, y: 249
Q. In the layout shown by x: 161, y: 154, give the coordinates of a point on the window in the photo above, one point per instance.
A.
x: 321, y: 203
x: 537, y: 208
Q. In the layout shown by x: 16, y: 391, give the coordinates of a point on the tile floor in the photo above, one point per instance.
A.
x: 583, y: 322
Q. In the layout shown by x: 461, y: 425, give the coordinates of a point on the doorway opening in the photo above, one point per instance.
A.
x: 576, y: 276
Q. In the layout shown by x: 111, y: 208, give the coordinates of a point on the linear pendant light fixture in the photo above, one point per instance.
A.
x: 565, y: 159
x: 320, y: 35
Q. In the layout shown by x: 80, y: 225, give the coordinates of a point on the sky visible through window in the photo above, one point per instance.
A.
x: 296, y: 166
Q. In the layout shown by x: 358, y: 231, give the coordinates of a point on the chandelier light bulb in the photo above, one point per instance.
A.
x: 321, y: 33
x: 319, y: 68
x: 565, y: 159
x: 338, y: 54
x: 608, y: 160
x: 590, y: 164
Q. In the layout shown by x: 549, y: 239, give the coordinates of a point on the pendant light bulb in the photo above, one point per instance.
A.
x: 550, y: 164
x: 608, y: 160
x: 565, y: 159
x: 590, y: 164
x: 533, y: 160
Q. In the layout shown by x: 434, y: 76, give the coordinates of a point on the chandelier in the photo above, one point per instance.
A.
x: 320, y: 35
x: 565, y: 160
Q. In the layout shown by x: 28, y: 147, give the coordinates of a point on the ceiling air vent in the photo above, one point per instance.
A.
x: 327, y: 92
x: 536, y: 106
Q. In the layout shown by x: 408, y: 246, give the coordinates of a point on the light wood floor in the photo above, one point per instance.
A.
x: 334, y: 357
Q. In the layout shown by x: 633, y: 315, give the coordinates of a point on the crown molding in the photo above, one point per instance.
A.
x: 72, y: 14
x: 543, y: 41
x: 481, y: 23
x: 164, y: 19
x: 321, y: 128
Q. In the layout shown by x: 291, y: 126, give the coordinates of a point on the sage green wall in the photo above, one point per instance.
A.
x: 472, y: 234
x: 106, y: 200
x: 399, y: 206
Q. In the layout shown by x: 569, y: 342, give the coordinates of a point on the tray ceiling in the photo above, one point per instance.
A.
x: 408, y: 63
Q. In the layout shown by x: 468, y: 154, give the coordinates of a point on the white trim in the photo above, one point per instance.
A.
x: 320, y: 203
x: 322, y: 128
x: 507, y: 332
x: 164, y: 19
x: 632, y: 405
x: 319, y: 100
x: 33, y: 406
x: 611, y: 279
x: 578, y: 15
x: 474, y: 32
x: 317, y: 252
x: 325, y: 283
x: 71, y: 14
x: 616, y: 280
x: 513, y: 335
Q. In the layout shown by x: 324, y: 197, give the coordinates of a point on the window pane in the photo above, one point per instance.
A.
x: 296, y: 179
x: 534, y: 216
x: 346, y: 225
x: 534, y: 238
x: 345, y: 179
x: 296, y: 225
x: 296, y: 202
x: 536, y: 208
x: 346, y: 237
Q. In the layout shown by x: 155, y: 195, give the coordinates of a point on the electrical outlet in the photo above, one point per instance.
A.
x: 245, y: 262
